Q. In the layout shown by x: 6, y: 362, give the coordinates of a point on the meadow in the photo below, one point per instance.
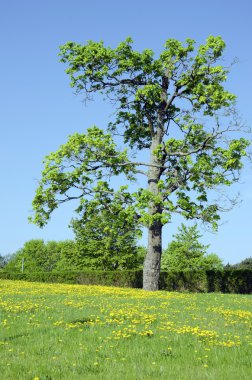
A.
x: 59, y: 331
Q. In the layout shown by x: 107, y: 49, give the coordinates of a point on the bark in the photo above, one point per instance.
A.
x: 151, y: 269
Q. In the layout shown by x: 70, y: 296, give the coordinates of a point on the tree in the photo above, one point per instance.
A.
x: 186, y: 252
x: 67, y: 257
x: 32, y: 255
x: 212, y: 261
x: 3, y: 261
x: 173, y: 108
x: 244, y: 264
x: 35, y: 256
x: 105, y: 241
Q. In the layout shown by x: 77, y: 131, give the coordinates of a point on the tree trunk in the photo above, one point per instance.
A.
x: 151, y: 269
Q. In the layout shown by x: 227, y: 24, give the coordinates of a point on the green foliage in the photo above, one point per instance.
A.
x: 66, y: 258
x: 179, y: 90
x: 136, y: 79
x: 89, y: 251
x: 78, y: 165
x: 244, y: 264
x: 106, y: 236
x: 3, y: 261
x: 38, y: 256
x: 186, y: 252
x: 121, y: 278
x: 225, y: 281
x: 33, y: 254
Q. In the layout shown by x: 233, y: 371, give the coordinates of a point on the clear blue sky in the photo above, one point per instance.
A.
x: 39, y: 110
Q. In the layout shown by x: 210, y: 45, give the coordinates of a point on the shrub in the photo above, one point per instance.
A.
x: 225, y: 281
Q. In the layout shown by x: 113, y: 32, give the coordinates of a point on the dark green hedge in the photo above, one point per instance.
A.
x: 126, y: 278
x: 226, y: 281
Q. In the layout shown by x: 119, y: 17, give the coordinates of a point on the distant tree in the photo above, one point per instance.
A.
x: 186, y: 252
x: 228, y: 266
x: 68, y: 258
x: 14, y: 264
x: 3, y: 261
x: 93, y: 248
x: 106, y: 237
x: 212, y: 261
x: 32, y: 255
x: 244, y: 264
x: 35, y: 256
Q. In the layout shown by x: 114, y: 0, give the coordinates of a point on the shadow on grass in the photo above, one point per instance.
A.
x: 17, y: 336
x: 81, y: 321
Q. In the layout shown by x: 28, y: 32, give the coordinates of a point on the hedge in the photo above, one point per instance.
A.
x: 129, y: 278
x: 225, y: 281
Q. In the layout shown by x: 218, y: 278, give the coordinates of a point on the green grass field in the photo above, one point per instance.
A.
x: 58, y: 331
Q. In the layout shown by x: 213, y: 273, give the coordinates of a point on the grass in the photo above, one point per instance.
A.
x: 58, y: 331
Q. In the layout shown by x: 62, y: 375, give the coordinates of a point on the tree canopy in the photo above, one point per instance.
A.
x: 186, y: 252
x: 35, y: 256
x: 244, y: 264
x: 174, y: 107
x: 106, y: 238
x: 3, y: 261
x: 84, y: 253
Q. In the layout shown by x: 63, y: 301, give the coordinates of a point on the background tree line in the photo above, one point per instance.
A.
x: 102, y: 245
